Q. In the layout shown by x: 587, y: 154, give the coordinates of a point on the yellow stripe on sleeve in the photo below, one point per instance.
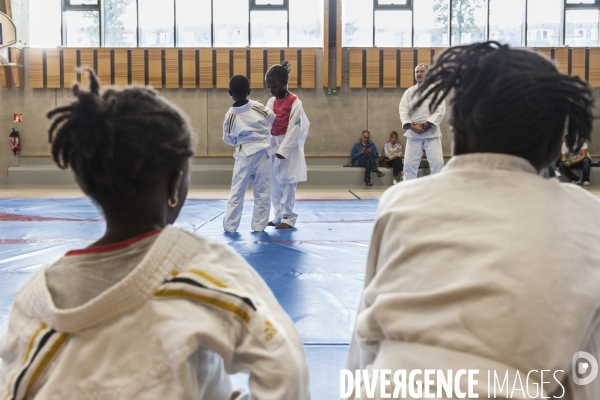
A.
x: 46, y: 360
x: 29, y: 347
x: 208, y: 277
x: 205, y: 299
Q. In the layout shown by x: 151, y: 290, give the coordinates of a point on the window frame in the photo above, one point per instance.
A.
x: 563, y: 17
x: 268, y: 7
x: 67, y: 6
x: 395, y: 7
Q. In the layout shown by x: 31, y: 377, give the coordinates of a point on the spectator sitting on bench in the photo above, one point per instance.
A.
x: 570, y: 161
x: 393, y: 155
x: 364, y: 154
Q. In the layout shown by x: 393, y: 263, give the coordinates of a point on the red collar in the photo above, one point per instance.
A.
x: 113, y: 246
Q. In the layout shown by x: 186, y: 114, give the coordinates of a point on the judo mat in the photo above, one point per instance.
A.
x: 316, y: 271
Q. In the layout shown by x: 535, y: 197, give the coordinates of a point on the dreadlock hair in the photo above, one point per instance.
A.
x: 119, y: 141
x: 239, y: 86
x: 281, y: 71
x: 510, y: 101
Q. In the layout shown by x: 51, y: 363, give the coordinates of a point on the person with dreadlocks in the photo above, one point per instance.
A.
x: 422, y: 126
x: 288, y: 134
x: 148, y: 311
x: 488, y: 266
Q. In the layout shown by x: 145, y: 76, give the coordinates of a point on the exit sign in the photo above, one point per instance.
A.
x: 332, y: 91
x: 17, y: 117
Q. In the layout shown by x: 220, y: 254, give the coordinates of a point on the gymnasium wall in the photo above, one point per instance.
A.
x: 336, y: 120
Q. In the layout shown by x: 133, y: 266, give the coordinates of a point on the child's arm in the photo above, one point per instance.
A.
x: 296, y: 131
x: 228, y: 125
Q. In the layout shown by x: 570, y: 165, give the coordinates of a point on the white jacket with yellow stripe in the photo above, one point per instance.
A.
x: 192, y: 312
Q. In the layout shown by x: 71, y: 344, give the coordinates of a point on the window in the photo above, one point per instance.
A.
x: 44, y: 23
x: 506, y: 21
x: 357, y: 23
x: 543, y: 18
x: 431, y: 23
x: 269, y: 22
x: 120, y: 23
x: 81, y: 23
x: 468, y: 21
x: 579, y: 25
x: 194, y: 23
x: 306, y: 23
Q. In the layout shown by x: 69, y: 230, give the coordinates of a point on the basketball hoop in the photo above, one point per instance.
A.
x: 8, y: 31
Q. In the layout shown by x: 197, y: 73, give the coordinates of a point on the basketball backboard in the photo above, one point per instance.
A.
x: 8, y: 31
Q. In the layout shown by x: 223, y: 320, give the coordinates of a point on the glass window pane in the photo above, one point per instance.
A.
x: 231, y: 23
x: 157, y: 18
x: 44, y: 23
x: 120, y: 23
x: 357, y: 23
x: 268, y: 2
x: 193, y: 23
x: 506, y: 21
x: 431, y: 23
x: 306, y: 23
x: 395, y: 2
x: 543, y: 23
x: 268, y: 28
x: 581, y: 28
x: 83, y: 2
x: 82, y: 28
x: 393, y: 28
x: 468, y: 21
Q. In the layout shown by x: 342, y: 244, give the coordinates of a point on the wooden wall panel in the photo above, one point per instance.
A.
x: 16, y: 55
x: 308, y: 68
x: 257, y: 73
x: 273, y: 57
x: 104, y: 67
x: 561, y: 56
x: 36, y: 68
x: 547, y: 51
x: 53, y: 68
x: 172, y: 68
x: 188, y: 68
x: 372, y: 66
x: 355, y: 68
x: 407, y: 68
x: 578, y: 62
x: 223, y: 68
x: 121, y: 72
x: 206, y: 68
x: 155, y: 68
x: 5, y: 76
x: 424, y: 56
x: 239, y: 62
x: 69, y: 67
x: 138, y: 66
x: 438, y: 51
x: 86, y: 60
x: 390, y: 68
x: 18, y: 76
x: 292, y: 56
x: 594, y: 63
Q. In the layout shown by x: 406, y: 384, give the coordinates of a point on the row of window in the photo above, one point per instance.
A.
x: 299, y: 23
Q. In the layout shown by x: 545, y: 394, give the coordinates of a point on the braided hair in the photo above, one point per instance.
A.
x: 510, y: 101
x: 119, y: 141
x: 281, y: 71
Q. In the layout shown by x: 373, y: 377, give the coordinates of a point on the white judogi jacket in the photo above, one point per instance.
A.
x: 484, y: 266
x: 420, y: 115
x: 291, y: 145
x: 192, y: 311
x: 248, y: 127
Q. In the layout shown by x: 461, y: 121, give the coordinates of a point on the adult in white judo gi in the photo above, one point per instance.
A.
x: 247, y: 126
x: 288, y: 134
x: 422, y: 128
x: 488, y: 266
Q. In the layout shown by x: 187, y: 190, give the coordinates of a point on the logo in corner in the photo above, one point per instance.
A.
x: 581, y: 364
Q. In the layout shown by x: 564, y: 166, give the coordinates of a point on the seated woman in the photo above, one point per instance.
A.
x: 393, y: 154
x: 487, y: 267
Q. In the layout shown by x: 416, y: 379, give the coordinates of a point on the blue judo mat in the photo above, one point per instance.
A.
x: 316, y: 271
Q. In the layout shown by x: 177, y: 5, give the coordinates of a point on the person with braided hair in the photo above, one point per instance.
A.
x: 488, y: 266
x: 148, y: 311
x: 288, y: 134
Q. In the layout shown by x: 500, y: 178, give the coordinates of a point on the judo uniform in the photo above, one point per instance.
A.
x: 248, y: 128
x: 430, y: 140
x: 484, y: 266
x: 286, y: 173
x: 189, y: 312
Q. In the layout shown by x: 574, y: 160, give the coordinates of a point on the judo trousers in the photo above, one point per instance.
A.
x: 412, y: 156
x: 254, y: 168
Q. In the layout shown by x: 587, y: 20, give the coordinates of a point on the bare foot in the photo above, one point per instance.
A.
x: 283, y: 225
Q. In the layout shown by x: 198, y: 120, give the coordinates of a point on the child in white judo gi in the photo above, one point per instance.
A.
x: 247, y: 126
x: 486, y: 274
x: 289, y: 132
x: 148, y: 311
